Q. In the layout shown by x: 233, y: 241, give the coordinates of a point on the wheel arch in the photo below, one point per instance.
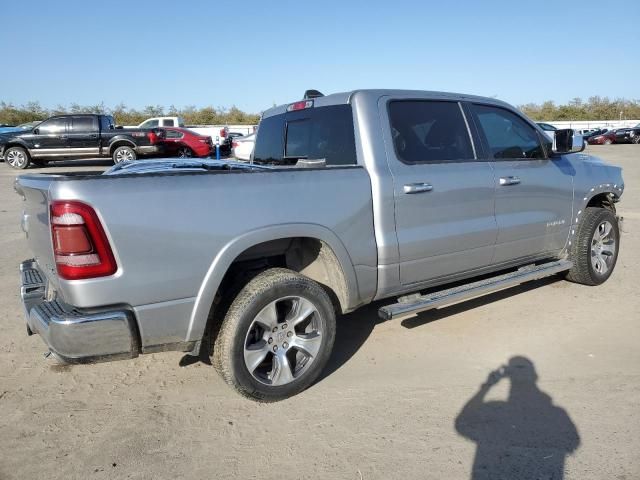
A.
x: 121, y: 142
x: 310, y: 249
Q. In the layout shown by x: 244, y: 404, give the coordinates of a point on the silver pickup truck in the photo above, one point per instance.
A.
x: 423, y: 198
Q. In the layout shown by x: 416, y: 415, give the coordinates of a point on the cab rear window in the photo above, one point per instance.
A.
x: 313, y: 134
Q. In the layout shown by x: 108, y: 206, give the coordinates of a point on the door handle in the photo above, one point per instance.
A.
x: 93, y: 135
x: 417, y: 188
x: 509, y: 180
x: 63, y: 137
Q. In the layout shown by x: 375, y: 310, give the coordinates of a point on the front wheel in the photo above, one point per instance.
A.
x: 276, y: 337
x: 595, y: 247
x: 123, y: 154
x: 17, y: 157
x: 608, y: 141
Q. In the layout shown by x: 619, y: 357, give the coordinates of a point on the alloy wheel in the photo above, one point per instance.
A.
x: 603, y: 248
x: 16, y: 158
x: 283, y: 341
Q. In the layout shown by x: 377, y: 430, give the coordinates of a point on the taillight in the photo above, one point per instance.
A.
x: 235, y: 144
x: 80, y: 246
x: 153, y: 137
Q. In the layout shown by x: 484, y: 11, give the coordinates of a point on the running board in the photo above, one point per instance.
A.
x: 418, y: 303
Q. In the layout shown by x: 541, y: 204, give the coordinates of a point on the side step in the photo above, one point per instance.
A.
x: 418, y: 303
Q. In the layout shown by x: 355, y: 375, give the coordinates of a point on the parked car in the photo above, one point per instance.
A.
x: 30, y: 125
x: 184, y: 143
x: 77, y: 136
x: 243, y: 147
x: 628, y: 134
x: 606, y: 138
x: 352, y: 197
x: 4, y: 128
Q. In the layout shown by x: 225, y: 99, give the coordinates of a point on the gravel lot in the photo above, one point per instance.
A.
x: 400, y: 399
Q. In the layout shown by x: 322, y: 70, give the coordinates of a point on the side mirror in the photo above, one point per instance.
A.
x: 36, y: 131
x: 567, y: 141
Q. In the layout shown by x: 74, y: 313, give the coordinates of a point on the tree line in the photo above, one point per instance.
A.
x: 11, y: 114
x: 595, y: 108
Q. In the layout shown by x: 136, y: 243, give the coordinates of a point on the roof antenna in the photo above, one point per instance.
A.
x: 309, y: 94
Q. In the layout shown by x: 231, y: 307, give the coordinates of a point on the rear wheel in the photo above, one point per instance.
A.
x: 17, y: 157
x: 123, y: 154
x: 636, y: 138
x: 276, y: 337
x: 185, y: 152
x: 594, y: 251
x: 608, y: 141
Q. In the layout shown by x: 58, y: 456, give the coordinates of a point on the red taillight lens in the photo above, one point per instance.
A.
x: 80, y: 246
x: 153, y: 137
x: 235, y: 144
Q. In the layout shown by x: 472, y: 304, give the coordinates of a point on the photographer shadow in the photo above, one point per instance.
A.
x: 524, y: 437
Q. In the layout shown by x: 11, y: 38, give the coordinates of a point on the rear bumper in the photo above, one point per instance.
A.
x: 74, y: 335
x: 150, y: 149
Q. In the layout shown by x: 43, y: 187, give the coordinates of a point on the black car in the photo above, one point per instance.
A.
x: 78, y: 136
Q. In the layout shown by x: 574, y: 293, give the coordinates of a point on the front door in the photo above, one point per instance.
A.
x: 534, y: 193
x: 444, y: 195
x: 49, y: 139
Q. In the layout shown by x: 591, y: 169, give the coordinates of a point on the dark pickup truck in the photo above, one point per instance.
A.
x: 78, y: 136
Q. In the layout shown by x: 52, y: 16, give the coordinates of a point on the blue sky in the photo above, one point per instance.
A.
x: 170, y: 52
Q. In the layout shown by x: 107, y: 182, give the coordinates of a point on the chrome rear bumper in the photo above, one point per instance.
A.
x: 74, y: 335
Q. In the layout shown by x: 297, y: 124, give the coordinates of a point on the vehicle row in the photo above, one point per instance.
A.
x: 80, y: 136
x: 601, y: 136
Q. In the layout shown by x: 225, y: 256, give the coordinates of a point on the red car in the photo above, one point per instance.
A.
x: 184, y: 143
x: 604, y: 138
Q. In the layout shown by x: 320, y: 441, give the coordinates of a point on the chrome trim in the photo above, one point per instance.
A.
x: 72, y: 335
x: 419, y: 187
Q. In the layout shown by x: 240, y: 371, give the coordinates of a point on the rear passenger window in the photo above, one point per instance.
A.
x: 167, y: 123
x: 83, y: 124
x: 508, y: 135
x: 429, y: 131
x: 314, y: 133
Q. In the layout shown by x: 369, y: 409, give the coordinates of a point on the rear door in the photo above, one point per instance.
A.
x: 534, y: 193
x: 444, y: 194
x: 84, y: 136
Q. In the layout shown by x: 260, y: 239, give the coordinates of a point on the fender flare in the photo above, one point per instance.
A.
x: 120, y: 141
x: 227, y: 255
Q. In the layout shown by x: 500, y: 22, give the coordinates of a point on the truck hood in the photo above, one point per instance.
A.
x: 160, y: 165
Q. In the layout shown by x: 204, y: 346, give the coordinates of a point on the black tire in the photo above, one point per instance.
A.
x: 237, y: 331
x: 123, y: 153
x: 581, y: 253
x: 185, y: 152
x: 17, y: 157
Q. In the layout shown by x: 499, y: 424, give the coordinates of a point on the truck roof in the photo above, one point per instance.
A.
x: 376, y: 94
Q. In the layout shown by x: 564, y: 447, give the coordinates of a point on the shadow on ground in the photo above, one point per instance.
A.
x: 524, y: 437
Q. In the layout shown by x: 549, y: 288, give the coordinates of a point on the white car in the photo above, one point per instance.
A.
x: 243, y: 147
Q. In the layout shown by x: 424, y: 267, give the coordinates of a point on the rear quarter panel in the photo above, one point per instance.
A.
x: 168, y: 232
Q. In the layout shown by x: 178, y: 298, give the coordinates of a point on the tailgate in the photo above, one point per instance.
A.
x: 35, y: 221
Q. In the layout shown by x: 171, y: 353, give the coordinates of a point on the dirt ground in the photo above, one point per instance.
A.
x: 400, y: 399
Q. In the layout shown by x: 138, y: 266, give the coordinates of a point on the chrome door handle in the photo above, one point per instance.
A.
x: 63, y: 137
x: 417, y: 188
x: 509, y: 180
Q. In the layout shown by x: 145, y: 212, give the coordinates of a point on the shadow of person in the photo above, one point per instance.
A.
x: 525, y: 437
